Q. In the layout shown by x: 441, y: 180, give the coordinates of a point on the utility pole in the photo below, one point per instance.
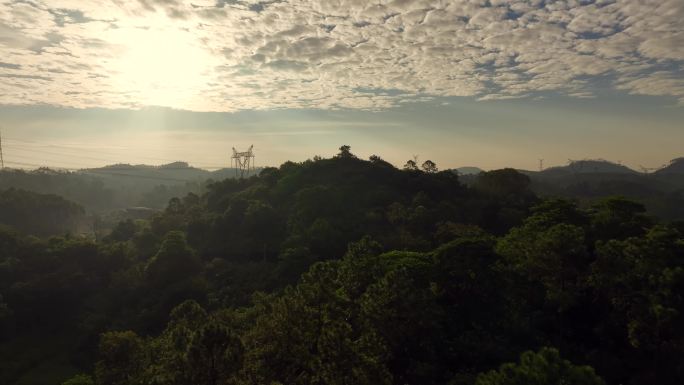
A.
x: 541, y: 164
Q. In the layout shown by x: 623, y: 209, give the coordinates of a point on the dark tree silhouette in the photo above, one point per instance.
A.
x: 429, y: 166
x: 411, y: 165
x: 345, y: 152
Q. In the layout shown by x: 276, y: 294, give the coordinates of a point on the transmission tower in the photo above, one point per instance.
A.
x: 541, y: 165
x: 242, y: 161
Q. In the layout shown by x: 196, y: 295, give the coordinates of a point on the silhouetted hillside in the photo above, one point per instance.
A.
x: 87, y: 190
x: 661, y: 192
x: 468, y: 170
x: 172, y: 173
x: 116, y: 186
x: 41, y: 214
x: 593, y: 166
x: 676, y: 166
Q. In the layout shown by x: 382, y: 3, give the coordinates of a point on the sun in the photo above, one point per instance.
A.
x: 163, y: 67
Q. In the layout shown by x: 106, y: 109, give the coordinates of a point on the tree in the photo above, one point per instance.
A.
x: 169, y: 365
x: 410, y: 337
x: 174, y: 261
x: 121, y: 358
x: 183, y: 320
x: 375, y: 159
x: 38, y: 214
x: 124, y: 231
x: 306, y: 336
x: 345, y: 152
x: 640, y: 280
x: 556, y: 257
x: 429, y: 166
x: 411, y: 165
x: 552, y: 212
x: 543, y: 368
x: 214, y: 355
x: 507, y: 184
x: 509, y: 197
x: 618, y: 218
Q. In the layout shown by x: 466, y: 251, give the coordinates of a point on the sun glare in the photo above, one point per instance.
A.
x: 164, y: 67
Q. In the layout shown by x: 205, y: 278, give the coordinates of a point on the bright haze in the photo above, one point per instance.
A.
x: 487, y: 83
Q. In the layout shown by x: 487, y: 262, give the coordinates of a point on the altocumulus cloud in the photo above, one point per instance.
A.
x: 230, y: 55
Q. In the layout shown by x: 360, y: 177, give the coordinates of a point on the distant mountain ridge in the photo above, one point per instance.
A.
x: 662, y: 191
x: 589, y: 166
x: 118, y: 186
x: 175, y: 172
x: 468, y: 170
x: 122, y: 185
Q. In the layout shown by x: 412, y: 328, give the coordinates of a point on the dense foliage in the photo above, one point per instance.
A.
x: 40, y: 214
x: 662, y: 191
x: 344, y: 271
x: 88, y: 191
x: 113, y: 187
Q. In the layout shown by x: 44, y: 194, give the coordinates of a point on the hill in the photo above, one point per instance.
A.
x: 346, y: 271
x: 41, y: 214
x: 150, y: 176
x: 676, y: 166
x: 468, y: 170
x: 589, y: 181
x: 591, y: 166
x: 87, y: 190
x: 118, y: 186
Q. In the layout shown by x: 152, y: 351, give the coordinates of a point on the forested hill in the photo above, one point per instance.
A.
x: 346, y: 271
x: 118, y: 186
x: 661, y: 191
x: 589, y: 181
x: 41, y: 215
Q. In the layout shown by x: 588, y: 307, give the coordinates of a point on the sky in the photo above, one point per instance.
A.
x: 486, y: 83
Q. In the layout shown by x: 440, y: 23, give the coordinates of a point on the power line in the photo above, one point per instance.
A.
x: 112, y: 170
x: 111, y: 161
x: 37, y: 165
x: 86, y: 149
x: 33, y: 150
x: 33, y: 158
x: 93, y: 171
x: 58, y: 154
x: 77, y: 167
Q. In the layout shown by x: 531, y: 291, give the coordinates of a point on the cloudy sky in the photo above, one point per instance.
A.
x: 490, y: 83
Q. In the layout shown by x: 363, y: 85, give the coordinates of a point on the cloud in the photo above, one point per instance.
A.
x: 10, y: 66
x: 661, y: 83
x: 231, y: 55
